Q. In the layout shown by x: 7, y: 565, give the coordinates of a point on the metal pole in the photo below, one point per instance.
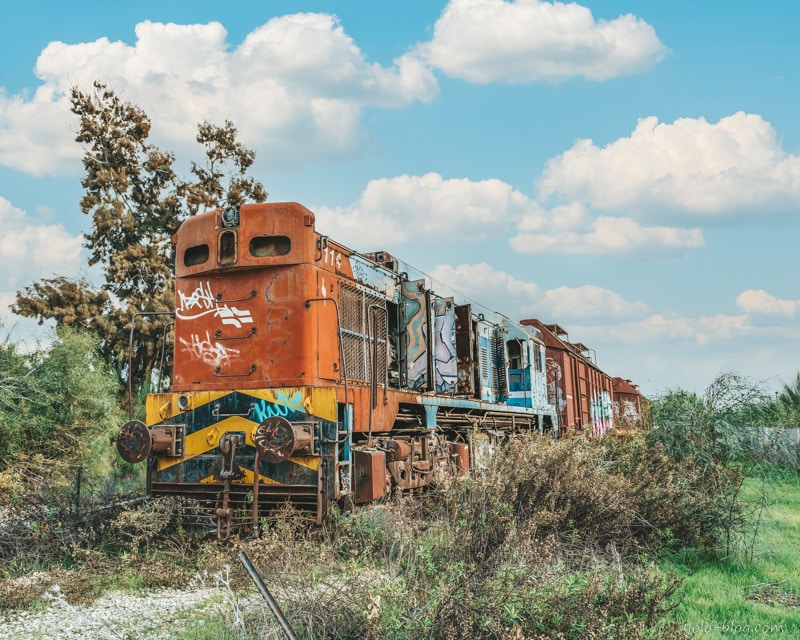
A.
x: 276, y: 610
x: 139, y: 314
x: 78, y: 492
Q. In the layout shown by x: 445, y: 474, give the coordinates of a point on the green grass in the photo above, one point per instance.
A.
x: 757, y: 599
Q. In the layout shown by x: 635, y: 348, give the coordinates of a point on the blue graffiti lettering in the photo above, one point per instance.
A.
x: 295, y: 402
x: 281, y: 407
x: 264, y: 410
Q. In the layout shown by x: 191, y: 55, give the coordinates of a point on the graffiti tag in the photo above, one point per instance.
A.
x: 201, y: 302
x: 280, y: 407
x: 209, y: 351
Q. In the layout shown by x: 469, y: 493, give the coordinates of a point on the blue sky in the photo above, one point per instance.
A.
x: 629, y: 170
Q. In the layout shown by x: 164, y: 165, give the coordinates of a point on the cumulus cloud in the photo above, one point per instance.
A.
x: 295, y: 88
x: 571, y: 230
x: 528, y: 40
x: 30, y: 250
x: 691, y: 165
x: 392, y: 211
x: 761, y: 302
x: 36, y: 135
x: 484, y: 283
x: 661, y: 329
x: 589, y: 300
x: 520, y: 298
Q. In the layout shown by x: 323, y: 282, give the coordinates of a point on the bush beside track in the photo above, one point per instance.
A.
x: 545, y: 539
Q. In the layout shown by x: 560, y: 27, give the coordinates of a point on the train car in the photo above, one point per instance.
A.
x: 631, y: 408
x: 306, y: 373
x: 581, y: 390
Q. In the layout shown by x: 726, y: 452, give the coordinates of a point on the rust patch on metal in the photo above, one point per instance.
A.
x: 134, y: 441
x: 277, y: 439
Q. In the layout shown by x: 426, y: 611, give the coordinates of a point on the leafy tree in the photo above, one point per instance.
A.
x: 714, y: 428
x: 136, y: 202
x: 789, y: 402
x: 58, y: 403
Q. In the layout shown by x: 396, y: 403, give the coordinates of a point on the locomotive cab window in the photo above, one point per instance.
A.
x: 267, y: 246
x: 514, y: 354
x: 226, y: 252
x: 195, y: 255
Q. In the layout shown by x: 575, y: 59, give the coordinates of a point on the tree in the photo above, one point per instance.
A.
x: 136, y: 202
x: 59, y: 403
x: 717, y: 427
x: 789, y: 402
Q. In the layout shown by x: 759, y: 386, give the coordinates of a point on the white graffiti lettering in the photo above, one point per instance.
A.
x: 210, y: 352
x: 201, y: 302
x: 234, y: 316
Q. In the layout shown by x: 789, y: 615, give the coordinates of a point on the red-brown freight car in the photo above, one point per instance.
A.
x: 584, y: 395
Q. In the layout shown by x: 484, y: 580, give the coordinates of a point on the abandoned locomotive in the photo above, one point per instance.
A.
x: 307, y: 373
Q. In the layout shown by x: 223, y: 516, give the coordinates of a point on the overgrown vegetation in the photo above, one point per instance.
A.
x: 580, y: 538
x: 58, y: 404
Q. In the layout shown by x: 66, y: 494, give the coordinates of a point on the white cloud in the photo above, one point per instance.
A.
x: 483, y: 283
x: 392, y: 211
x: 527, y: 40
x: 579, y: 233
x: 690, y: 165
x: 589, y: 301
x: 29, y: 250
x: 295, y: 88
x: 36, y: 136
x: 519, y: 298
x: 761, y: 302
x: 684, y: 331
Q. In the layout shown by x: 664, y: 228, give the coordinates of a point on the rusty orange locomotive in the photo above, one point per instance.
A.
x: 307, y: 373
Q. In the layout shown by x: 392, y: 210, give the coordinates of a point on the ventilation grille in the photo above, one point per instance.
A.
x: 499, y: 381
x: 357, y: 309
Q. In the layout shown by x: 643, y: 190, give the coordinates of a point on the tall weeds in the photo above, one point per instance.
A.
x: 542, y: 543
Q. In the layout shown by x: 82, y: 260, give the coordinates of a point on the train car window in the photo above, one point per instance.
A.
x: 226, y: 254
x: 195, y: 255
x: 265, y: 246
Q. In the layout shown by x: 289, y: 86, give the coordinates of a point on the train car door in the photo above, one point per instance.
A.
x: 519, y: 372
x: 492, y: 360
x: 445, y: 362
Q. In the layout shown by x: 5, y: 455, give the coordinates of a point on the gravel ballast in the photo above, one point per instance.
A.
x: 158, y: 615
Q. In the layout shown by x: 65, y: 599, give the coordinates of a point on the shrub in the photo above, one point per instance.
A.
x: 59, y: 403
x: 530, y: 547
